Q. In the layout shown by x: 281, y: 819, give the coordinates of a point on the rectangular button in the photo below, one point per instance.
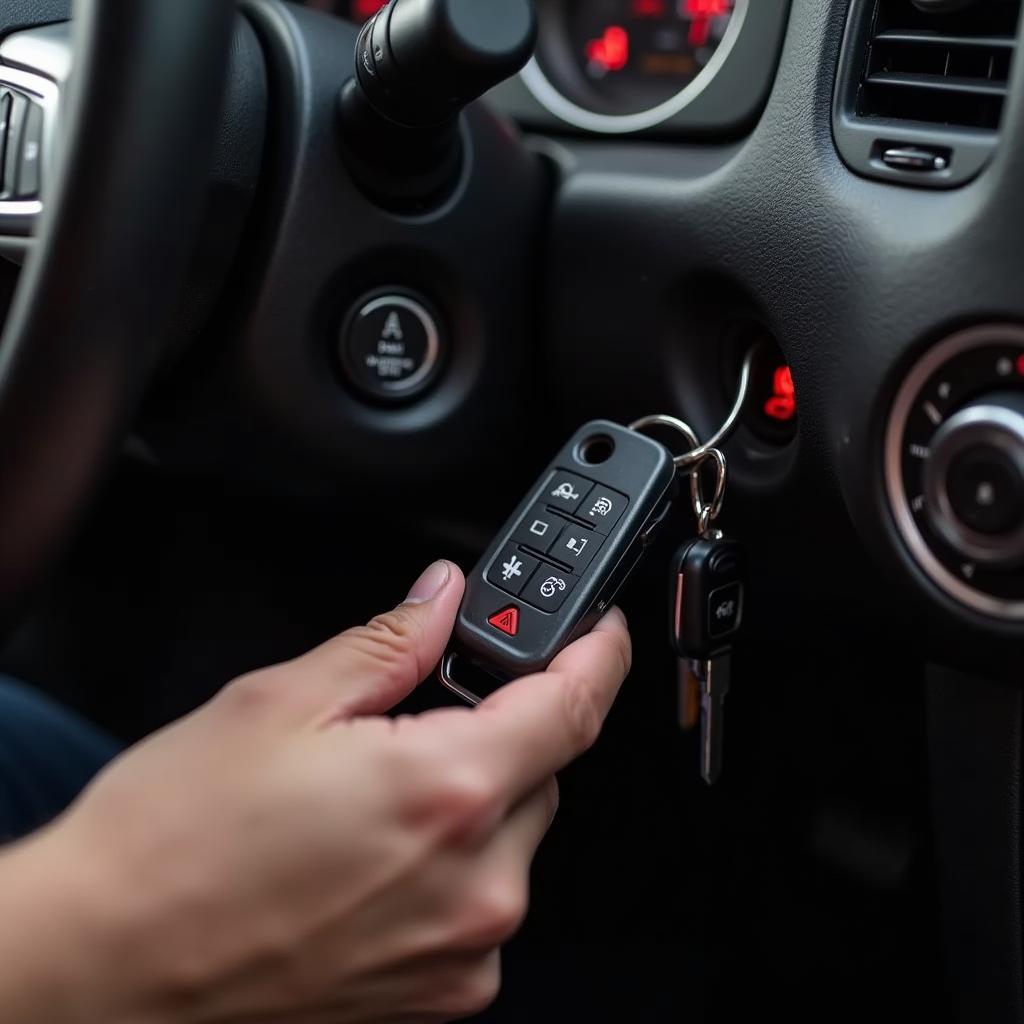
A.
x: 576, y: 546
x: 566, y: 491
x: 548, y: 588
x: 5, y: 120
x: 603, y: 508
x: 538, y: 529
x: 31, y: 153
x: 511, y: 569
x: 12, y: 157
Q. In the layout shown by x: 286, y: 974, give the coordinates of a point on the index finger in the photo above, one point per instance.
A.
x: 535, y: 726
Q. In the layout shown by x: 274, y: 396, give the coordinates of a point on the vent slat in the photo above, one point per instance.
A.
x: 938, y: 83
x: 928, y: 38
x: 939, y: 68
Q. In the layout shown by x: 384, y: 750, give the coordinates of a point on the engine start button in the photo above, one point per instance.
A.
x: 391, y: 345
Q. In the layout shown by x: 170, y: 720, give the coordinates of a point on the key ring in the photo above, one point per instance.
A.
x: 700, y: 452
x: 706, y: 512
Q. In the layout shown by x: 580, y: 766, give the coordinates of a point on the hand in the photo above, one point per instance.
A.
x: 287, y: 853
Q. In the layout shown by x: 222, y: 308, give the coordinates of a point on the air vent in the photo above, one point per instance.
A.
x: 940, y: 68
x: 921, y: 95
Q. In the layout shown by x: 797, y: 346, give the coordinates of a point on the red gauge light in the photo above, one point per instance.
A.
x: 702, y: 12
x: 782, y: 405
x: 611, y: 51
x: 363, y: 10
x: 1020, y: 365
x: 650, y: 8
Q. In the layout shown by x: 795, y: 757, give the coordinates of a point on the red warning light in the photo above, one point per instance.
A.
x: 1020, y: 365
x: 650, y: 8
x: 782, y: 405
x: 507, y: 620
x: 611, y: 51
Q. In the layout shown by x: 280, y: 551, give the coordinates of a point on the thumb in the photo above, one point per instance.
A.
x: 369, y: 669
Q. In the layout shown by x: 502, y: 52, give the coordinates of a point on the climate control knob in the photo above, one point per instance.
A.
x: 974, y: 480
x: 954, y: 468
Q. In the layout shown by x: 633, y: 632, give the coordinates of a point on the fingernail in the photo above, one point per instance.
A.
x: 430, y: 584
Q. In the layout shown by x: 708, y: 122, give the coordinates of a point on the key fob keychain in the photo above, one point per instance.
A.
x: 557, y: 564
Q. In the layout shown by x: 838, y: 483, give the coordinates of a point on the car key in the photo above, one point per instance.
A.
x: 557, y: 564
x: 708, y: 584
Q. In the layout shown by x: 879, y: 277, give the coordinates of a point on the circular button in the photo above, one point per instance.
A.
x: 391, y: 346
x: 986, y: 490
x: 974, y: 480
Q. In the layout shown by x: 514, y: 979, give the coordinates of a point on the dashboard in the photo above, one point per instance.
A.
x: 637, y: 67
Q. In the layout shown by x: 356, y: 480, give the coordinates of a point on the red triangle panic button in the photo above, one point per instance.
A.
x: 507, y: 620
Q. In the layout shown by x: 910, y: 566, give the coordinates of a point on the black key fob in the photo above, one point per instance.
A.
x: 558, y: 563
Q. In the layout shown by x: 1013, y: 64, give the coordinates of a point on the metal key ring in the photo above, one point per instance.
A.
x: 708, y: 512
x: 672, y: 423
x: 700, y: 452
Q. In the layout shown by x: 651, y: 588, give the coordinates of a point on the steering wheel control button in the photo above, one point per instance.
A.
x: 13, y: 150
x: 538, y: 529
x: 576, y: 547
x: 986, y: 490
x: 506, y: 621
x: 603, y: 508
x: 31, y: 153
x: 391, y: 346
x: 548, y: 588
x: 511, y: 569
x: 567, y: 491
x: 955, y: 468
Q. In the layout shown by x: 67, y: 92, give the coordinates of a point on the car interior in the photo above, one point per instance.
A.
x: 299, y: 296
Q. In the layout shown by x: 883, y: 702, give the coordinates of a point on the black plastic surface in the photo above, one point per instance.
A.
x: 974, y: 738
x: 626, y: 490
x: 85, y: 330
x: 419, y: 62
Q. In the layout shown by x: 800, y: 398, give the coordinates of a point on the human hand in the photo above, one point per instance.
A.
x: 287, y: 852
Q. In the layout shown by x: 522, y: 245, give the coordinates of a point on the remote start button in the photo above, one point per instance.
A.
x: 548, y: 588
x: 391, y: 346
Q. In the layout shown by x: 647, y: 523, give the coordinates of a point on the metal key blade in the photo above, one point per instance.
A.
x: 714, y: 676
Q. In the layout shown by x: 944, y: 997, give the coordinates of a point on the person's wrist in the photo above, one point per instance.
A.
x: 67, y: 958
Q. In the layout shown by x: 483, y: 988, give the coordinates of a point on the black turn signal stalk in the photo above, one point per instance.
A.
x: 418, y: 63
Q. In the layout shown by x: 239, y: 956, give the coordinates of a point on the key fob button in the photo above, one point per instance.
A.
x: 538, y: 529
x: 603, y: 508
x: 566, y: 491
x: 576, y: 546
x: 548, y: 588
x: 511, y: 569
x: 506, y: 620
x: 725, y: 608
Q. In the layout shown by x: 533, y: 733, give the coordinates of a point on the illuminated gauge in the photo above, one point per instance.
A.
x: 627, y: 65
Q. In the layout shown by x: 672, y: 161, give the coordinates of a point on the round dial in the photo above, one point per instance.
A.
x: 623, y: 65
x: 955, y: 468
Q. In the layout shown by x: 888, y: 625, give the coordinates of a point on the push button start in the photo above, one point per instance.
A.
x: 391, y: 346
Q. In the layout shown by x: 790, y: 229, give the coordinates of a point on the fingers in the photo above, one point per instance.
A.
x: 369, y: 669
x: 534, y: 727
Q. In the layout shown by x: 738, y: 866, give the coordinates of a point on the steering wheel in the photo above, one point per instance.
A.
x: 128, y: 138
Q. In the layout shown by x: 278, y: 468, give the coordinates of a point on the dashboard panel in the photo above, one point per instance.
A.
x: 674, y: 68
